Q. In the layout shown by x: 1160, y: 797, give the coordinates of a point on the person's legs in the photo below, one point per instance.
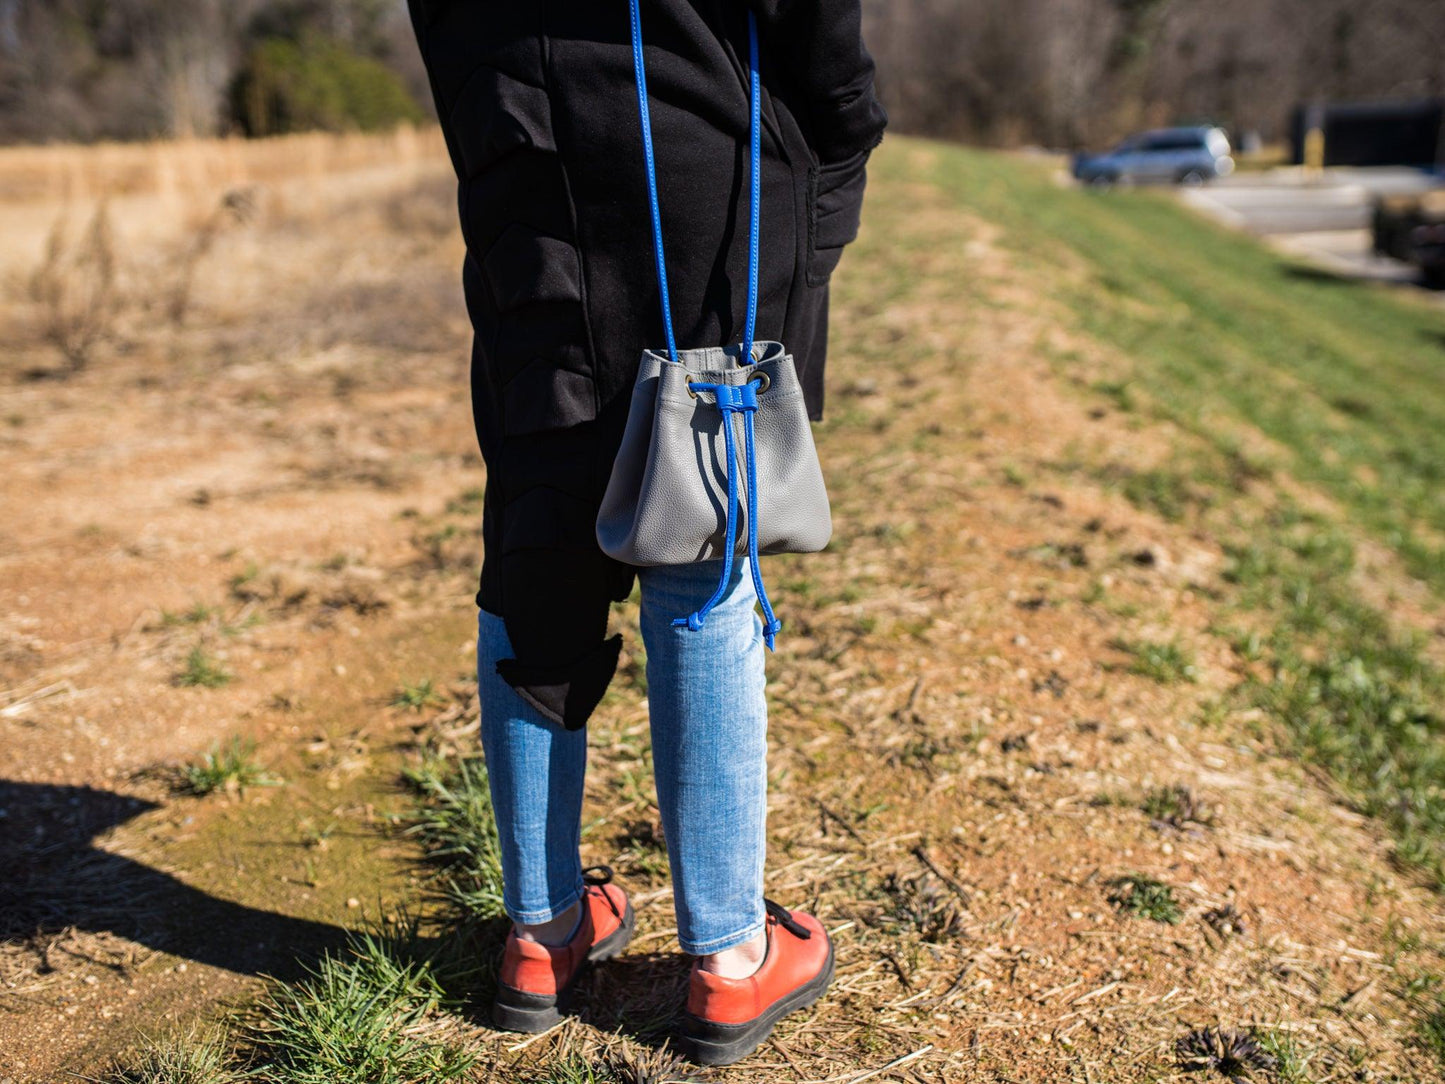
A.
x: 536, y: 772
x: 705, y: 689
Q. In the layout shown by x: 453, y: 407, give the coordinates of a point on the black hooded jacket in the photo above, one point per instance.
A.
x: 539, y: 109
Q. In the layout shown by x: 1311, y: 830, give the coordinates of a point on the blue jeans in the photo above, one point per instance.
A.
x: 709, y: 748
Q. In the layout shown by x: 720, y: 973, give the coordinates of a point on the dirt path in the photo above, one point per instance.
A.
x: 286, y: 484
x: 265, y: 493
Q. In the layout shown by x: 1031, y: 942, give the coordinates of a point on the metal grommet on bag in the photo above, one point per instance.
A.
x: 688, y: 385
x: 758, y: 374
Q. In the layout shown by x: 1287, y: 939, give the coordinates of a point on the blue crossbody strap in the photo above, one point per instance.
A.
x: 729, y: 399
x: 755, y: 128
x: 639, y: 67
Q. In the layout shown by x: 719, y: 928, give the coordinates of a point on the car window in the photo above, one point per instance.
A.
x: 1176, y: 142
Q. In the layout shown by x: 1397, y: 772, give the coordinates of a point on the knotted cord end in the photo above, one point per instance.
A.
x: 771, y: 628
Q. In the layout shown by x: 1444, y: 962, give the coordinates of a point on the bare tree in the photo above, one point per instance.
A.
x: 1066, y: 72
x: 1058, y: 72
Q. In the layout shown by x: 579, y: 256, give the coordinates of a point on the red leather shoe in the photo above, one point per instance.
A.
x: 535, y: 977
x: 727, y: 1019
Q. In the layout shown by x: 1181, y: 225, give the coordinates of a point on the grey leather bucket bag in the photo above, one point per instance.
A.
x: 717, y: 458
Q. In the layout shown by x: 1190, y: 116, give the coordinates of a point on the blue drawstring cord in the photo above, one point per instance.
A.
x: 737, y: 399
x: 755, y: 196
x: 730, y: 398
x: 771, y: 625
x: 639, y: 68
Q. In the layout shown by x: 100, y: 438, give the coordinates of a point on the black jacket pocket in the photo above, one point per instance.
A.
x: 835, y: 202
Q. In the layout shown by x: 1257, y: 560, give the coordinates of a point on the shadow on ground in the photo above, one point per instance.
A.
x: 1312, y: 273
x: 639, y: 996
x: 60, y: 881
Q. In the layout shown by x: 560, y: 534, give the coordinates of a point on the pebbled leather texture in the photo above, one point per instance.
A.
x: 666, y: 500
x: 791, y: 962
x: 533, y: 968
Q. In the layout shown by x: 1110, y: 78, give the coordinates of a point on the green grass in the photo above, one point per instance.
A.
x: 229, y: 767
x: 1166, y: 663
x: 642, y: 850
x: 1144, y: 897
x: 244, y: 577
x: 203, y: 670
x: 1355, y: 694
x: 196, y: 1058
x: 576, y: 1069
x: 1168, y: 493
x: 358, y: 1019
x: 1117, y: 392
x: 466, y: 503
x: 1425, y: 994
x: 199, y: 613
x: 417, y: 696
x: 385, y: 1009
x: 1432, y: 1031
x: 454, y: 823
x: 1292, y: 1060
x: 1220, y: 333
x: 621, y: 1064
x: 1228, y: 341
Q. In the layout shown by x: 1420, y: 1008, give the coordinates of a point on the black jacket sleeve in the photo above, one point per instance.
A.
x: 821, y: 43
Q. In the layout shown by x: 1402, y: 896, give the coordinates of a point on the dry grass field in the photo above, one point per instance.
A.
x: 1047, y: 751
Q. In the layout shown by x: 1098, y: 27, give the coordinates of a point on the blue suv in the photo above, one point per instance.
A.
x: 1165, y: 156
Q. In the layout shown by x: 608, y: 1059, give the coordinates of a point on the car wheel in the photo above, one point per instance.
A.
x: 1103, y: 180
x: 1192, y: 177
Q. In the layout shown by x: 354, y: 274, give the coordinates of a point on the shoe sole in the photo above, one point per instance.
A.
x: 709, y: 1043
x: 517, y: 1010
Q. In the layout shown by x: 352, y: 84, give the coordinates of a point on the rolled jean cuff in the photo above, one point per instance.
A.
x: 536, y: 918
x: 722, y: 944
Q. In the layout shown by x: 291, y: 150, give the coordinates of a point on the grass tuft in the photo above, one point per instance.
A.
x: 1431, y: 1030
x: 924, y: 906
x: 1119, y: 392
x: 232, y: 767
x: 361, y: 1018
x: 199, y: 613
x: 1236, y: 1055
x: 1372, y: 725
x: 454, y: 822
x: 203, y: 670
x: 1291, y: 1060
x: 466, y: 503
x: 643, y: 850
x: 1166, y: 492
x: 623, y: 1064
x: 1167, y: 664
x: 1177, y: 806
x: 1145, y: 897
x: 418, y: 696
x: 195, y: 1058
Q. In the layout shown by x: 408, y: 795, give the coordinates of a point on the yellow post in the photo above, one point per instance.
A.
x: 1314, y: 145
